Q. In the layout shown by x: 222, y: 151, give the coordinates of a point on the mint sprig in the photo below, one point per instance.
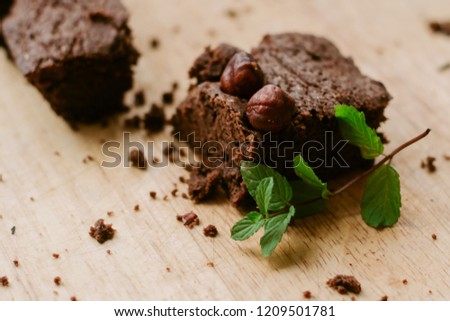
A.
x: 279, y: 200
x: 353, y: 127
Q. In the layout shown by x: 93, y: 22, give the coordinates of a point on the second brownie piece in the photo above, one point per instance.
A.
x: 78, y: 53
x: 308, y: 76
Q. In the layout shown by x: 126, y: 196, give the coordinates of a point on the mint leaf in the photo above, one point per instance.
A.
x: 353, y: 127
x: 247, y: 226
x: 274, y: 229
x: 252, y: 175
x: 380, y: 206
x: 263, y: 195
x: 308, y: 176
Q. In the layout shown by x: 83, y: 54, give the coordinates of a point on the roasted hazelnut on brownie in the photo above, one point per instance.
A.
x: 242, y: 76
x: 270, y: 109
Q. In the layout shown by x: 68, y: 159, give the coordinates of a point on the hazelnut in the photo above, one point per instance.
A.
x: 270, y: 109
x: 242, y: 76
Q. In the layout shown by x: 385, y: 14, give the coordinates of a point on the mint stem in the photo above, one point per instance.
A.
x: 384, y: 160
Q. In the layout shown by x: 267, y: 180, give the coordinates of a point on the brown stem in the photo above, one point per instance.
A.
x: 384, y: 160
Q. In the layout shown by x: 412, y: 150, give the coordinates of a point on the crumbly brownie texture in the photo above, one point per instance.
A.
x: 78, y: 54
x: 4, y: 9
x: 440, y: 27
x: 344, y: 284
x: 102, y: 232
x: 313, y: 72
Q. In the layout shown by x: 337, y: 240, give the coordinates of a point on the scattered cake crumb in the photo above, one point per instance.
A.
x: 174, y: 86
x: 102, y: 232
x: 32, y: 198
x: 430, y: 292
x: 56, y: 153
x: 133, y: 122
x: 428, y: 163
x: 154, y: 43
x: 153, y: 194
x: 353, y: 298
x: 16, y: 263
x: 434, y: 236
x: 167, y: 269
x: 110, y: 213
x: 55, y: 255
x: 440, y: 27
x: 4, y: 281
x: 155, y: 119
x: 344, y: 284
x: 174, y: 192
x: 138, y: 159
x: 165, y: 198
x: 73, y: 298
x: 90, y: 158
x: 447, y: 157
x: 13, y: 230
x: 384, y: 298
x: 210, y: 231
x: 136, y: 208
x: 185, y: 196
x: 1, y: 178
x: 189, y: 219
x: 57, y: 280
x: 231, y: 13
x: 210, y: 264
x: 405, y: 281
x: 167, y: 98
x: 307, y: 294
x: 108, y: 252
x: 55, y: 292
x: 139, y: 98
x: 182, y: 179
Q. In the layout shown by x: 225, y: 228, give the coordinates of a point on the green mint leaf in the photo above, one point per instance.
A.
x: 274, y: 229
x: 381, y: 202
x: 353, y: 127
x: 253, y: 174
x: 247, y: 226
x: 309, y: 199
x: 263, y: 195
x: 308, y: 176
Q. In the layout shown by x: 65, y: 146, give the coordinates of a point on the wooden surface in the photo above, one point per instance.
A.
x: 389, y: 40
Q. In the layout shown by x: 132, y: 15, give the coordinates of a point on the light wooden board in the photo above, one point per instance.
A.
x: 389, y: 40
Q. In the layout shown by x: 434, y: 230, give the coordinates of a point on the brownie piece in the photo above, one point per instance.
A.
x: 310, y: 70
x: 77, y: 53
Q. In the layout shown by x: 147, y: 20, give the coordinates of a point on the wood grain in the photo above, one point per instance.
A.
x: 389, y: 40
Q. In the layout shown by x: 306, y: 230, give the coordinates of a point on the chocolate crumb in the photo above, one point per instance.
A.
x: 4, y: 281
x: 57, y: 280
x: 136, y: 208
x: 154, y: 43
x: 73, y: 298
x: 110, y: 213
x: 440, y: 27
x: 153, y: 195
x: 155, y: 119
x: 231, y: 13
x: 447, y: 157
x: 210, y: 231
x: 210, y: 264
x: 165, y: 198
x: 428, y: 163
x: 434, y: 236
x: 55, y: 292
x: 182, y: 179
x: 185, y: 196
x: 13, y: 230
x: 353, y: 298
x: 1, y: 178
x: 108, y: 252
x: 167, y: 98
x: 167, y: 269
x: 55, y: 255
x: 133, y: 122
x: 344, y: 283
x: 89, y: 157
x: 307, y: 294
x: 430, y: 292
x: 444, y: 67
x: 139, y: 98
x: 189, y: 219
x: 138, y: 159
x: 102, y: 232
x: 56, y: 153
x: 384, y: 298
x: 405, y: 281
x: 174, y: 86
x: 174, y: 192
x: 16, y: 263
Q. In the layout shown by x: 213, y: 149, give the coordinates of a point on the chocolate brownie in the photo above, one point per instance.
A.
x: 77, y: 53
x: 313, y: 77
